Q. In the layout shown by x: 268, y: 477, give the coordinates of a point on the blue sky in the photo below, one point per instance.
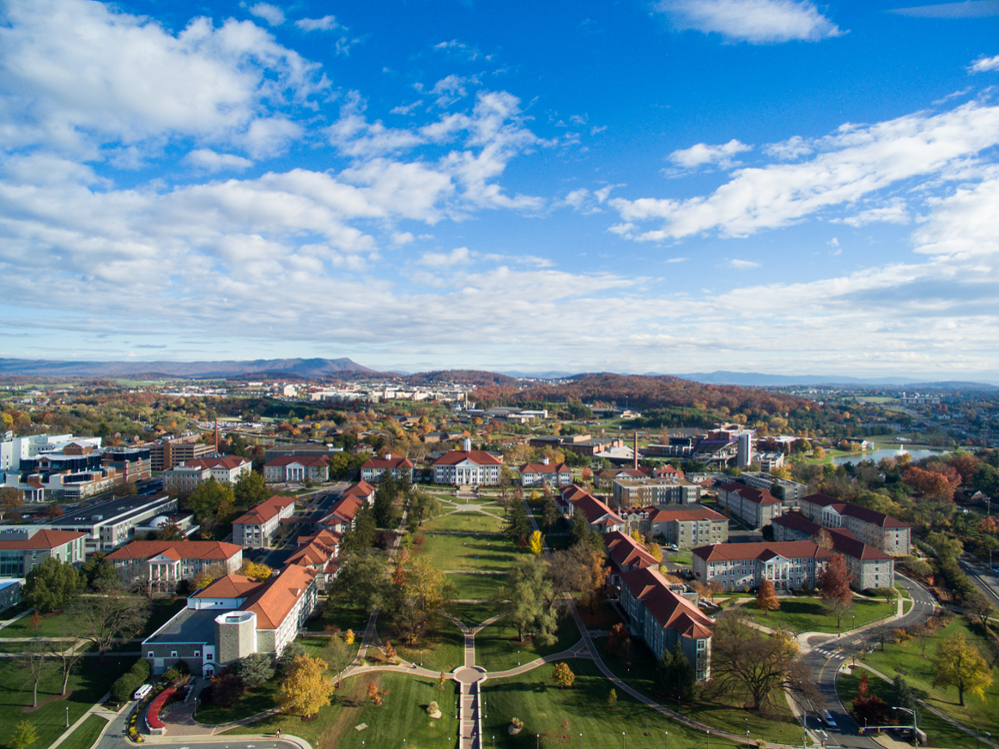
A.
x: 675, y: 186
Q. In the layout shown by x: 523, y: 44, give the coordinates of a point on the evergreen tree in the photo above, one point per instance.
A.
x: 675, y: 676
x: 361, y: 537
x: 581, y: 532
x: 518, y: 525
x: 386, y: 513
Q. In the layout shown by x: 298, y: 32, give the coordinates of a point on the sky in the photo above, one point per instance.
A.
x: 673, y: 186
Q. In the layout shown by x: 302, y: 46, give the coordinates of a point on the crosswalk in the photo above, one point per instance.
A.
x: 831, y: 654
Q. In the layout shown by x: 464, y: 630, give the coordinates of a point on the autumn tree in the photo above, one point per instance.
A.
x: 619, y: 641
x: 536, y: 543
x: 305, y: 689
x: 766, y: 597
x: 579, y: 569
x: 612, y: 699
x: 424, y: 596
x: 744, y: 658
x: 931, y: 484
x: 563, y: 676
x: 959, y: 664
x: 10, y: 499
x: 338, y: 656
x: 207, y: 575
x: 834, y: 587
x: 869, y: 707
x: 256, y: 570
x: 227, y: 688
x: 24, y: 735
x: 210, y: 499
x: 249, y: 490
x: 655, y: 550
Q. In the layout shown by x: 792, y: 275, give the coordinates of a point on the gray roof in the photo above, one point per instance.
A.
x: 189, y: 626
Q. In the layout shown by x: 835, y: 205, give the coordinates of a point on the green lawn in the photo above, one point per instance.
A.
x: 342, y: 612
x: 87, y: 687
x: 473, y: 614
x: 918, y: 671
x: 496, y: 646
x: 85, y: 736
x: 809, y: 615
x: 476, y: 587
x: 681, y: 558
x: 638, y: 669
x: 401, y: 716
x: 253, y: 701
x: 544, y: 708
x: 443, y: 648
x: 938, y: 732
x: 61, y: 624
x: 468, y: 522
x: 468, y: 552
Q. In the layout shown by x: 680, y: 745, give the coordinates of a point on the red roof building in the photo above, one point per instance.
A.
x: 396, y: 465
x: 165, y: 563
x: 257, y: 527
x: 467, y: 468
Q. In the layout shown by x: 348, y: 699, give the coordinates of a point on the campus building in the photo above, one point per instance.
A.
x: 873, y: 528
x: 257, y: 527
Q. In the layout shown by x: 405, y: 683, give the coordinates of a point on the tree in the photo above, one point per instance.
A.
x: 612, y: 699
x: 675, y: 676
x: 900, y: 694
x: 99, y: 573
x: 207, y: 575
x: 170, y: 532
x: 361, y: 538
x: 36, y: 662
x: 385, y: 511
x: 531, y: 594
x: 256, y: 570
x: 348, y: 637
x: 363, y: 578
x: 563, y: 676
x: 124, y: 687
x: 208, y: 499
x: 978, y: 608
x: 305, y: 689
x: 227, y: 688
x: 746, y: 658
x: 338, y: 656
x: 249, y: 490
x: 869, y: 707
x: 10, y: 499
x: 422, y: 596
x: 51, y: 585
x: 581, y: 532
x: 24, y: 735
x: 255, y: 669
x: 766, y: 597
x: 68, y: 657
x: 518, y: 525
x: 549, y: 513
x: 655, y: 550
x: 108, y: 616
x: 618, y: 641
x: 959, y: 664
x: 834, y: 587
x: 536, y: 543
x: 579, y: 569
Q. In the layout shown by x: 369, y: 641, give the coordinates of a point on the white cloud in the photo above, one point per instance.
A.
x: 270, y: 13
x: 741, y: 264
x: 753, y: 21
x: 965, y: 9
x: 449, y: 90
x: 703, y: 154
x: 853, y: 163
x: 402, y: 237
x: 459, y: 49
x: 983, y: 64
x: 78, y: 76
x: 406, y: 109
x: 457, y: 256
x: 326, y: 23
x: 789, y: 149
x: 895, y: 211
x: 205, y: 158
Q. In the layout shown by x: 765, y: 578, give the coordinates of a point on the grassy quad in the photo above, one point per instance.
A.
x: 918, y: 671
x: 497, y: 647
x: 61, y: 624
x: 465, y: 522
x: 938, y: 732
x: 543, y: 707
x: 86, y: 688
x: 402, y: 716
x: 809, y: 614
x: 467, y: 553
x: 724, y: 712
x: 87, y: 733
x: 476, y: 587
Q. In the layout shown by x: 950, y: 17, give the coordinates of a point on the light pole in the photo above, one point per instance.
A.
x: 67, y: 720
x: 623, y: 740
x: 539, y: 740
x: 707, y: 738
x: 665, y: 740
x: 747, y: 726
x: 518, y: 657
x: 915, y: 724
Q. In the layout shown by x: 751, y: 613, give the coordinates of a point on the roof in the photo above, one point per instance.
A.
x: 796, y: 522
x: 264, y: 511
x: 543, y: 468
x: 277, y: 596
x: 316, y: 550
x: 679, y: 514
x: 44, y: 539
x: 479, y: 457
x: 861, y: 513
x: 849, y: 545
x: 228, y: 586
x: 750, y: 494
x: 669, y: 609
x: 229, y: 462
x: 626, y: 551
x: 574, y: 493
x: 596, y: 512
x: 360, y: 489
x: 388, y: 462
x: 343, y: 511
x: 761, y: 550
x: 302, y: 460
x: 186, y: 550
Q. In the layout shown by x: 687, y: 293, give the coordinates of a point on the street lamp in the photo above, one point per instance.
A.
x: 665, y: 740
x: 747, y: 726
x: 67, y: 719
x: 539, y: 740
x: 707, y: 738
x: 518, y: 657
x: 915, y: 724
x: 623, y: 740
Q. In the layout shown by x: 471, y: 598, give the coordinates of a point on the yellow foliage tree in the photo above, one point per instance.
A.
x: 537, y: 542
x: 305, y: 689
x: 636, y: 535
x: 656, y: 551
x: 563, y: 675
x: 256, y: 570
x: 348, y: 637
x: 959, y: 664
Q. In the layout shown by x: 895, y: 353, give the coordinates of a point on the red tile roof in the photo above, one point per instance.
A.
x: 756, y: 496
x: 186, y: 550
x: 229, y: 586
x: 762, y: 550
x: 388, y: 463
x: 277, y: 596
x: 658, y: 515
x: 861, y: 513
x: 542, y: 468
x: 479, y: 457
x: 44, y: 539
x: 264, y: 511
x: 228, y: 462
x: 361, y: 489
x: 302, y: 460
x: 669, y: 609
x: 626, y: 551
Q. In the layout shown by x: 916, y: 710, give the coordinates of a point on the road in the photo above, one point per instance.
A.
x: 981, y: 577
x: 826, y: 659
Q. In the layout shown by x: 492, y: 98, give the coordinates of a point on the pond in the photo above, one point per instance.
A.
x: 892, y: 452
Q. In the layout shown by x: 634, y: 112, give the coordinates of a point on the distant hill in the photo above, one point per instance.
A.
x: 304, y: 368
x: 758, y: 379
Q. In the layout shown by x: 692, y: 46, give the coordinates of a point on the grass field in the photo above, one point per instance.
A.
x: 809, y: 615
x: 253, y: 701
x: 468, y: 552
x: 401, y: 716
x: 86, y: 688
x: 467, y: 522
x: 473, y: 614
x: 85, y: 736
x: 476, y: 587
x: 497, y: 646
x: 61, y: 624
x: 639, y: 668
x: 545, y: 708
x: 938, y: 732
x: 919, y: 671
x: 341, y: 612
x: 443, y: 649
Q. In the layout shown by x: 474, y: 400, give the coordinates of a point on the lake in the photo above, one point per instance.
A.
x: 892, y: 452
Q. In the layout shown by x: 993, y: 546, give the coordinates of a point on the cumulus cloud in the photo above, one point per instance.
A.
x: 326, y: 23
x: 753, y: 21
x: 703, y: 154
x: 850, y: 165
x: 270, y: 13
x: 449, y: 90
x: 895, y: 211
x: 457, y: 256
x: 983, y: 64
x: 205, y: 158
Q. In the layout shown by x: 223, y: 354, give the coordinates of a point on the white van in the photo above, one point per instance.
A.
x: 142, y: 691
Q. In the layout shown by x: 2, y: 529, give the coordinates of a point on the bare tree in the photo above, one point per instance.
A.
x: 110, y: 615
x: 67, y: 655
x: 36, y: 662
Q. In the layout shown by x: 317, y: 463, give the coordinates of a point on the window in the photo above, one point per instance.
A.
x: 173, y: 653
x: 197, y: 653
x: 150, y: 654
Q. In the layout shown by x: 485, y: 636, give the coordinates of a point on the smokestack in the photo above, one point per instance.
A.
x: 216, y: 435
x: 636, y: 452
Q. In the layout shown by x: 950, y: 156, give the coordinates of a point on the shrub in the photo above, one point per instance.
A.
x: 227, y: 689
x: 432, y: 708
x: 141, y: 669
x: 124, y: 687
